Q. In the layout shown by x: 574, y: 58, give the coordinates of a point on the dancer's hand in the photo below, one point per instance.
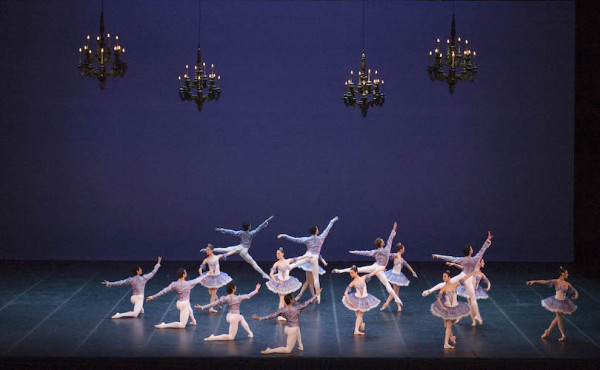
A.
x: 529, y: 282
x: 217, y: 229
x: 199, y: 306
x: 158, y: 261
x: 489, y: 236
x: 277, y: 281
x: 255, y: 317
x: 270, y: 218
x: 105, y: 282
x: 351, y: 304
x: 434, y: 256
x: 279, y: 236
x: 325, y: 263
x: 335, y: 219
x: 257, y: 287
x: 487, y: 289
x: 444, y: 308
x: 395, y: 226
x: 425, y: 293
x: 148, y: 299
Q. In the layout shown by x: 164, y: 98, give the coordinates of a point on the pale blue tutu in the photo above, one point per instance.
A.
x: 287, y: 286
x: 215, y: 281
x: 363, y: 304
x: 398, y: 279
x: 308, y: 267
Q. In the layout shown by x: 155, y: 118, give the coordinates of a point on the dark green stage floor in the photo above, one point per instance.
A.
x: 60, y: 310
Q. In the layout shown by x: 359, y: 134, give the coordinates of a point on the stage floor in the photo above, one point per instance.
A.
x: 60, y: 309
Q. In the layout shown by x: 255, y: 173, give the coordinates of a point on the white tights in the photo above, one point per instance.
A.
x: 293, y: 335
x: 233, y: 319
x: 138, y: 307
x: 185, y: 312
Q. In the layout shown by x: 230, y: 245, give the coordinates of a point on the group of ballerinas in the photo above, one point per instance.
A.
x: 446, y: 306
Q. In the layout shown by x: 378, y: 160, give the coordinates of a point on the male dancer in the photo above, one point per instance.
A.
x: 313, y: 243
x: 246, y: 235
x: 468, y: 263
x: 382, y: 256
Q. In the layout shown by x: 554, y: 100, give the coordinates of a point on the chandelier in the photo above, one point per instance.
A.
x: 367, y: 92
x: 104, y: 62
x: 459, y: 64
x: 201, y: 86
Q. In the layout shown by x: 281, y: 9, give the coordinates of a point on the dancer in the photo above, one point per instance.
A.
x: 480, y: 277
x: 233, y: 314
x: 183, y: 289
x: 560, y: 304
x: 138, y: 283
x: 395, y: 275
x: 284, y: 283
x: 246, y: 235
x: 450, y: 310
x: 382, y: 256
x: 469, y: 263
x: 360, y: 301
x: 314, y: 243
x: 215, y: 278
x: 291, y: 313
x: 309, y: 283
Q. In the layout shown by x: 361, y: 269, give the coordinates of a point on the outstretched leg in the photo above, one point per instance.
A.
x: 292, y: 336
x: 469, y: 285
x: 138, y: 306
x: 248, y: 258
x: 383, y: 279
x: 238, y: 248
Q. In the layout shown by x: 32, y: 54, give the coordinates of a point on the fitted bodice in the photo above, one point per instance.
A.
x: 361, y: 290
x: 398, y: 266
x: 449, y: 298
x: 213, y: 267
x: 283, y: 272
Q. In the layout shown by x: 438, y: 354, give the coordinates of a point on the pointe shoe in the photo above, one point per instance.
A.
x: 298, y: 297
x: 358, y: 333
x: 562, y: 339
x: 209, y: 339
x: 479, y: 320
x: 193, y: 323
x: 474, y: 323
x: 251, y: 335
x: 142, y: 311
x: 213, y: 310
x: 319, y: 299
x: 383, y: 307
x: 400, y: 308
x: 362, y: 326
x: 264, y: 352
x: 453, y: 339
x: 546, y: 333
x: 300, y: 348
x: 160, y: 326
x: 447, y: 346
x: 116, y: 316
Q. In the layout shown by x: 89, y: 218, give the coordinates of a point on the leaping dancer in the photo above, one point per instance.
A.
x: 469, y: 263
x: 314, y: 243
x: 246, y: 235
x: 382, y: 256
x: 138, y: 283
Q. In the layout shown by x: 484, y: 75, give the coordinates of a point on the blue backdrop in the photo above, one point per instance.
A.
x: 132, y: 172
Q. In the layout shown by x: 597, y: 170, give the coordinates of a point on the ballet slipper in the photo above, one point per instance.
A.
x: 213, y: 310
x: 474, y: 323
x: 160, y: 326
x: 563, y: 339
x: 300, y: 347
x: 546, y: 333
x: 453, y: 339
x: 384, y: 306
x: 447, y: 346
x: 264, y: 352
x: 193, y: 323
x: 362, y: 326
x: 479, y: 320
x: 209, y: 338
x: 356, y: 332
x: 116, y: 316
x: 251, y: 335
x: 298, y: 297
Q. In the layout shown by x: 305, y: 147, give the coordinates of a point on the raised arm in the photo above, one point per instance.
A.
x: 328, y: 228
x: 262, y: 226
x: 388, y: 245
x: 370, y: 253
x: 448, y: 258
x: 484, y: 247
x: 270, y: 316
x: 218, y: 302
x: 151, y: 274
x: 197, y: 280
x: 303, y: 305
x: 530, y: 282
x: 244, y: 297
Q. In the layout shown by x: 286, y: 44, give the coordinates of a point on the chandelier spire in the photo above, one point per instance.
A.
x: 368, y: 92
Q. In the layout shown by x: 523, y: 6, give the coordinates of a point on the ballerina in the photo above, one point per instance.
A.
x: 560, y: 304
x: 291, y: 313
x: 215, y: 278
x: 469, y: 263
x: 138, y: 283
x: 480, y: 293
x: 183, y: 288
x: 382, y: 256
x: 233, y: 313
x: 395, y: 275
x: 309, y: 283
x: 314, y: 243
x: 246, y: 235
x: 284, y: 283
x: 450, y: 310
x: 360, y: 301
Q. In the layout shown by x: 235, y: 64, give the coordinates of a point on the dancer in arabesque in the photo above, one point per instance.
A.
x: 234, y: 318
x: 137, y: 283
x: 246, y: 235
x: 291, y: 314
x: 480, y: 293
x: 469, y: 263
x: 314, y: 243
x: 382, y: 256
x: 360, y: 301
x: 183, y: 288
x: 560, y: 303
x: 283, y: 283
x: 215, y: 278
x: 395, y: 275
